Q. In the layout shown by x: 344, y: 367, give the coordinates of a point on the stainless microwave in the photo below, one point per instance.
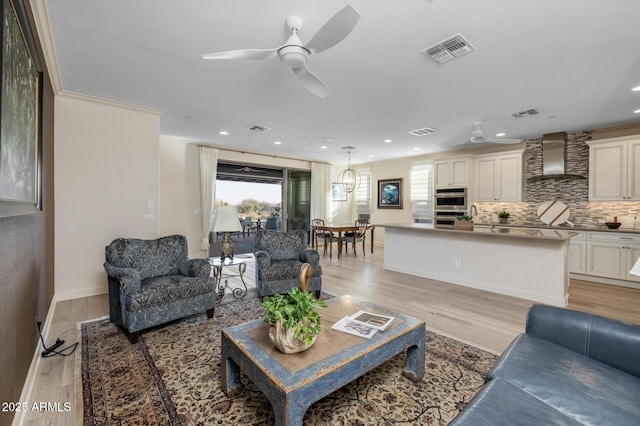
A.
x: 451, y: 199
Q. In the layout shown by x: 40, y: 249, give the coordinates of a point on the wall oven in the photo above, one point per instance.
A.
x: 451, y: 199
x: 449, y: 203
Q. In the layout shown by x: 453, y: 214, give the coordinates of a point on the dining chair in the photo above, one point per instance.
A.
x: 320, y: 235
x: 359, y: 235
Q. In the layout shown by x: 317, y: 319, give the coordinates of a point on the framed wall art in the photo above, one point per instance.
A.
x: 390, y: 193
x: 338, y: 193
x: 20, y: 99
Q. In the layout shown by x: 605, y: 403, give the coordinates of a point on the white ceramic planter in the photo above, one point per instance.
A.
x: 285, y: 341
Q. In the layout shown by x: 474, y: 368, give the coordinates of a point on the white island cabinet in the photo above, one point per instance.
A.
x: 527, y: 263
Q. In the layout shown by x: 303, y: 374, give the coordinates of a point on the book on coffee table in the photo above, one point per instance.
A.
x: 357, y: 328
x: 377, y: 321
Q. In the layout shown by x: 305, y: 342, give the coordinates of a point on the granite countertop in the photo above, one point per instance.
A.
x: 551, y: 233
x: 563, y: 227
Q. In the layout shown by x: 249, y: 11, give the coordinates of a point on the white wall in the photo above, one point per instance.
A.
x: 106, y: 171
x: 345, y: 212
x: 180, y: 191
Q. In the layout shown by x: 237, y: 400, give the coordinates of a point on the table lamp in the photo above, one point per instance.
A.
x: 226, y: 221
x: 636, y: 268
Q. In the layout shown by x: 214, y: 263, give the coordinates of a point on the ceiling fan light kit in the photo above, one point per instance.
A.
x: 295, y: 54
x: 478, y: 136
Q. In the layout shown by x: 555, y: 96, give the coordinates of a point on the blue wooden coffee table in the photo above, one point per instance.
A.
x: 294, y: 382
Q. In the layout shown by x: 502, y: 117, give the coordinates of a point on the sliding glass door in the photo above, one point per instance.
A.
x: 298, y: 202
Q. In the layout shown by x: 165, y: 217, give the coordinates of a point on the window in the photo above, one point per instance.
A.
x: 363, y: 194
x: 422, y: 192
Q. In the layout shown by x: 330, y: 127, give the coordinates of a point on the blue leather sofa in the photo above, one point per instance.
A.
x: 152, y: 282
x: 568, y: 368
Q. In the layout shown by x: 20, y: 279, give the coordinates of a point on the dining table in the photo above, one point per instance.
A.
x: 339, y: 229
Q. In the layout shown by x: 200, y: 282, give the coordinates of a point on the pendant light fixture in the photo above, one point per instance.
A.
x: 349, y: 179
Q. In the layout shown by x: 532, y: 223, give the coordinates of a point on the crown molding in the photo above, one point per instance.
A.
x: 41, y: 18
x: 109, y: 102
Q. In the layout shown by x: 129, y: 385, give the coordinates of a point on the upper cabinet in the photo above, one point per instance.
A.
x: 499, y: 176
x: 451, y: 172
x: 614, y: 169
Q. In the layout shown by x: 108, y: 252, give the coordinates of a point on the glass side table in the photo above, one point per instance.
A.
x: 218, y: 266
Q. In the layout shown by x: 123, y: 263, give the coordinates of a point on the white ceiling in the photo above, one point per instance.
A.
x: 575, y: 61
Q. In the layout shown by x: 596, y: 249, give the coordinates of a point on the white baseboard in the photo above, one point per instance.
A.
x: 77, y: 294
x: 27, y: 388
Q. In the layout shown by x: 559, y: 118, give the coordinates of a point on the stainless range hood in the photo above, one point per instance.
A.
x: 553, y: 154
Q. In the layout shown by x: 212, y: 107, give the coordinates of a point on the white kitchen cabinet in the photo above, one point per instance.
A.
x: 578, y: 254
x: 614, y: 169
x: 499, y: 177
x: 611, y: 255
x: 451, y: 172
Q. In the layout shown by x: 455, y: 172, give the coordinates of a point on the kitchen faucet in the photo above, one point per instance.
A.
x: 473, y: 207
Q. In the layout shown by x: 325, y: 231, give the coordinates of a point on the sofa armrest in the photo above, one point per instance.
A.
x: 195, y: 268
x: 310, y: 256
x: 127, y: 278
x: 263, y: 259
x: 612, y: 342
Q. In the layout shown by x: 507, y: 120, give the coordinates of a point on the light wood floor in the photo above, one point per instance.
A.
x: 486, y: 320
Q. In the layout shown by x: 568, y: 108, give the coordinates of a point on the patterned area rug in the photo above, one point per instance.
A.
x: 172, y: 377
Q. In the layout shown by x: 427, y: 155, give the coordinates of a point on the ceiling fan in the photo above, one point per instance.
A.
x: 477, y: 136
x: 295, y: 55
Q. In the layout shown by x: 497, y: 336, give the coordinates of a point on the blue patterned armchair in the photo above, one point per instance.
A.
x: 152, y: 282
x: 279, y: 257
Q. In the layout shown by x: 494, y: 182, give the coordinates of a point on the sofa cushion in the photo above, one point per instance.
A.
x: 501, y: 403
x: 161, y: 290
x: 584, y: 389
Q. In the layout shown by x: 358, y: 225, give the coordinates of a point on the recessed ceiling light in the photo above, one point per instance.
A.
x: 370, y: 156
x: 324, y: 147
x: 636, y: 89
x: 417, y: 148
x: 636, y: 111
x: 387, y: 141
x: 501, y: 134
x: 223, y: 132
x: 277, y: 143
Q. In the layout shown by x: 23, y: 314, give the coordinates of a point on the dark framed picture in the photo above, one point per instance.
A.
x: 20, y: 98
x: 390, y: 193
x: 338, y: 193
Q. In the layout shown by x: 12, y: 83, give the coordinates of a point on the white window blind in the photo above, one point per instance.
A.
x: 422, y: 192
x: 363, y: 193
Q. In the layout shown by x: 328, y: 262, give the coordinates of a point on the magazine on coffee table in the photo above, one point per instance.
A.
x: 357, y: 328
x: 377, y: 321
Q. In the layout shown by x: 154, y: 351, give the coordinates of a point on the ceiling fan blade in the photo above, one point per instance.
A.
x: 243, y: 54
x: 334, y: 30
x: 311, y: 82
x: 504, y: 141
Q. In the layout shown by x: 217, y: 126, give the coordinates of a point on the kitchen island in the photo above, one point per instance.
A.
x: 526, y: 263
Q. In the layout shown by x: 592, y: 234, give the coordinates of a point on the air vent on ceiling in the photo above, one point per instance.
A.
x: 523, y: 113
x: 448, y: 49
x: 423, y: 132
x: 258, y: 128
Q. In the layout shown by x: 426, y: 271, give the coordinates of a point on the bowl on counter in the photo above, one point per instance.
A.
x: 613, y: 225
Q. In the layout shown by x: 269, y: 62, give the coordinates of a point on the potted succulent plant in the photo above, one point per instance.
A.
x: 463, y: 222
x: 504, y: 216
x: 294, y: 320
